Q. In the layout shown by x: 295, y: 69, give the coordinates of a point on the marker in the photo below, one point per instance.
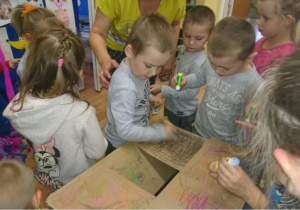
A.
x: 249, y: 117
x: 155, y: 110
x: 231, y: 160
x: 179, y: 80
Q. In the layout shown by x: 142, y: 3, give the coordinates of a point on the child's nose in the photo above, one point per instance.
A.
x: 191, y: 41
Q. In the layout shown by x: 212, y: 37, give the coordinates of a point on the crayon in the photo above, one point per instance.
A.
x: 231, y: 160
x: 179, y: 80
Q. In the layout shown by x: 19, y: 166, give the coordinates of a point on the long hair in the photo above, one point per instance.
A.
x: 278, y: 117
x: 35, y: 21
x: 289, y: 7
x: 43, y: 76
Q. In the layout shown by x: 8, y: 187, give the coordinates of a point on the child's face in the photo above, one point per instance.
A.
x: 195, y: 36
x: 147, y: 63
x: 270, y: 24
x: 227, y: 65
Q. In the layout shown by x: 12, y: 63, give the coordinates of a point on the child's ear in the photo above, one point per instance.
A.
x: 290, y: 19
x: 36, y: 199
x: 128, y: 51
x: 29, y: 37
x: 251, y: 57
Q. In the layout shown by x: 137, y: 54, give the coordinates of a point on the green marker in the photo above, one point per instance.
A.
x: 249, y: 117
x: 179, y: 80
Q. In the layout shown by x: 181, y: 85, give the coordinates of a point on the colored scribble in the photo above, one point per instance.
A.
x: 218, y: 149
x: 190, y: 199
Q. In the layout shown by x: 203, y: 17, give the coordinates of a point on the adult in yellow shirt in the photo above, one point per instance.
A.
x: 113, y: 23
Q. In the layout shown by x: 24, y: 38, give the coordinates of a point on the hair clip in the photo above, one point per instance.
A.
x: 28, y: 8
x: 60, y: 62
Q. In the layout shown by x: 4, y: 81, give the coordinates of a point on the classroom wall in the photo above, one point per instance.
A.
x: 216, y: 6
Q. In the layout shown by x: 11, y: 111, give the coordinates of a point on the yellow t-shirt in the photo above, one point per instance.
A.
x: 124, y: 13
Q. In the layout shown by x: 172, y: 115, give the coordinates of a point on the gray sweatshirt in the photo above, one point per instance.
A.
x: 65, y: 136
x: 224, y: 101
x: 184, y: 102
x: 128, y: 110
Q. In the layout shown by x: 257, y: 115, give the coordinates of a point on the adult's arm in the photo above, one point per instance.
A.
x: 98, y: 36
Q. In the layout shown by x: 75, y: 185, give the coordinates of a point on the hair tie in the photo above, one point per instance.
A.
x: 28, y: 8
x: 60, y: 62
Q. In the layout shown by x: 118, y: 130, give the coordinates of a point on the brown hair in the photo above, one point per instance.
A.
x: 151, y: 30
x: 17, y: 185
x: 232, y: 35
x: 35, y: 22
x: 43, y: 78
x: 200, y: 15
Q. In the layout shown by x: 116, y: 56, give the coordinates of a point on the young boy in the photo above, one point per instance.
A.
x: 17, y: 186
x: 230, y: 79
x: 150, y: 45
x: 181, y: 106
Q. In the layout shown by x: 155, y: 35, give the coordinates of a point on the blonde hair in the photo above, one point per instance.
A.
x: 43, y: 77
x: 17, y: 185
x: 232, y: 35
x: 35, y: 22
x: 201, y: 15
x: 151, y: 30
x: 288, y: 7
x: 278, y: 117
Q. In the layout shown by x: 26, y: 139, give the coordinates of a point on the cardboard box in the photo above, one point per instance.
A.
x: 171, y: 175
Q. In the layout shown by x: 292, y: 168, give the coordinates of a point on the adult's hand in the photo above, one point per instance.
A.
x: 105, y: 75
x: 235, y: 180
x: 290, y: 164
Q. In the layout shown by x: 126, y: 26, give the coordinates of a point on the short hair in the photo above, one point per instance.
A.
x: 232, y: 35
x: 17, y: 185
x: 201, y: 15
x: 35, y: 21
x: 151, y: 30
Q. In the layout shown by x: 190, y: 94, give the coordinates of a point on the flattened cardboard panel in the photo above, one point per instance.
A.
x: 140, y: 168
x: 100, y: 187
x: 193, y: 188
x: 175, y: 153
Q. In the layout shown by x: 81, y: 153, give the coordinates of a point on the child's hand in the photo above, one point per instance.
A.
x: 155, y: 89
x: 155, y: 101
x: 170, y: 130
x: 12, y: 62
x: 174, y: 81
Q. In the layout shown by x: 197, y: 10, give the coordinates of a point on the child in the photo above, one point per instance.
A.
x: 29, y: 22
x: 277, y: 23
x: 278, y: 134
x: 62, y: 130
x: 230, y: 78
x: 150, y: 45
x: 181, y: 106
x: 17, y: 186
